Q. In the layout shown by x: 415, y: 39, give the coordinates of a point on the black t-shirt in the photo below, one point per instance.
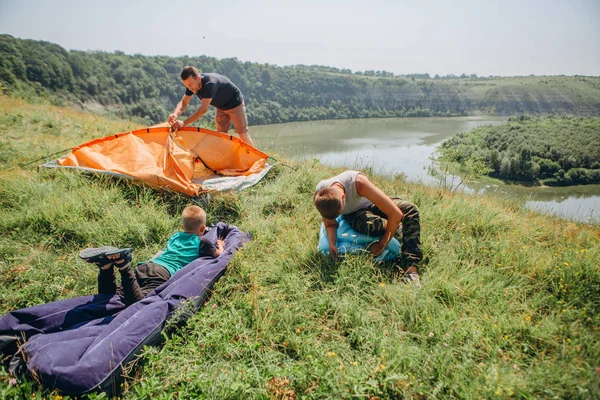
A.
x: 206, y: 247
x: 224, y: 94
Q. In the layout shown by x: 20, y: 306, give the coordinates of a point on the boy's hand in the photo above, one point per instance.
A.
x: 219, y: 249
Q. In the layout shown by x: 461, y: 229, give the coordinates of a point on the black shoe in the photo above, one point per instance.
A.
x: 96, y: 254
x: 118, y: 255
x: 105, y: 255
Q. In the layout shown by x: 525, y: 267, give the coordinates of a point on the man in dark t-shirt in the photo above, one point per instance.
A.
x: 217, y: 91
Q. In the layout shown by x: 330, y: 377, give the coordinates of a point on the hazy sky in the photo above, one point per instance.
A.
x: 502, y: 37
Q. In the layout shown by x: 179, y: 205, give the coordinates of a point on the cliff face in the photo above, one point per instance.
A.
x: 498, y: 96
x: 533, y: 96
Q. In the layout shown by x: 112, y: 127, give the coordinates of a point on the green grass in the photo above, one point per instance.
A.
x: 508, y: 306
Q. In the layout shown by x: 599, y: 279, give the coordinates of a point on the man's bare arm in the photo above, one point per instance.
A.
x: 367, y: 189
x: 180, y: 108
x: 331, y: 226
x: 203, y: 109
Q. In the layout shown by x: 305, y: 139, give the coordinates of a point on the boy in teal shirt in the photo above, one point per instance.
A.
x: 182, y: 248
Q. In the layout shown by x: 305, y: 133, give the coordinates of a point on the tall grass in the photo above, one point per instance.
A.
x: 508, y: 306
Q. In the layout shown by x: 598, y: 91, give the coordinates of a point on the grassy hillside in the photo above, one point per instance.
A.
x: 508, y: 308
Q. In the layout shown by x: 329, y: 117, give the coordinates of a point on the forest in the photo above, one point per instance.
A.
x: 554, y: 151
x: 148, y: 87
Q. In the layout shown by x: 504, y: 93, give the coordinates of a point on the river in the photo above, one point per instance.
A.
x: 403, y: 146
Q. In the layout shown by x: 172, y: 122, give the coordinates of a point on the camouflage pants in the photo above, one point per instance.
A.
x: 373, y: 222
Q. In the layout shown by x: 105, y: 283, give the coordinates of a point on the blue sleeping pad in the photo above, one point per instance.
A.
x: 81, y: 345
x: 350, y: 241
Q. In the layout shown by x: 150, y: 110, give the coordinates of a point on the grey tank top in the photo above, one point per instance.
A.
x: 347, y: 179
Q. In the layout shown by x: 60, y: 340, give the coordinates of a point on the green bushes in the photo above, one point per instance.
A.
x: 575, y: 176
x: 556, y: 151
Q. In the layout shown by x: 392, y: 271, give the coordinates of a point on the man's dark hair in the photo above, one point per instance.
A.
x: 328, y: 202
x: 188, y: 71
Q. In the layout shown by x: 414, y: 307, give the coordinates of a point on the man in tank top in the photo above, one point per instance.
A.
x: 370, y: 211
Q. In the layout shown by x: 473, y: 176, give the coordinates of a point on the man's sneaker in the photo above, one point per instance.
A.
x: 96, y: 254
x: 412, y: 277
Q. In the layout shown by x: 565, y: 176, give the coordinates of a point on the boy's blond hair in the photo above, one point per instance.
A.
x: 192, y: 218
x: 328, y: 202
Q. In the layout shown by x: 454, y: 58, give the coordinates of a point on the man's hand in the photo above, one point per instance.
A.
x: 333, y: 252
x: 172, y: 118
x: 377, y: 248
x: 177, y: 124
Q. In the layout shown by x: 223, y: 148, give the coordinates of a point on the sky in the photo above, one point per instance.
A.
x: 501, y: 37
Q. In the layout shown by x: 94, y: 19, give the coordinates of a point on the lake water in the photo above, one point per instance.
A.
x: 404, y: 145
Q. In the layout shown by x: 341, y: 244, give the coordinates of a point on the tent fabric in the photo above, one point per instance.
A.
x: 217, y: 183
x: 180, y: 162
x: 82, y: 344
x: 350, y: 241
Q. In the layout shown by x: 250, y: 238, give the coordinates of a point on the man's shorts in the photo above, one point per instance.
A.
x: 237, y: 115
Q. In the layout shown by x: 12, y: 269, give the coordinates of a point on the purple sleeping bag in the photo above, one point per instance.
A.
x: 81, y: 345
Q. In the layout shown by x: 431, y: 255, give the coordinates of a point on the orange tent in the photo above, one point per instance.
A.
x: 182, y: 162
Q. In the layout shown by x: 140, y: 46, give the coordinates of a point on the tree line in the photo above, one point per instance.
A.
x: 148, y: 87
x: 556, y: 151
